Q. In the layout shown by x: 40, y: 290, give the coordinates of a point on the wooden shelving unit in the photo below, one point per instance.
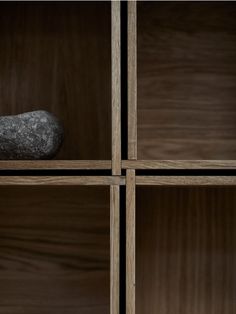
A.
x: 59, y: 233
x: 60, y: 230
x: 180, y: 174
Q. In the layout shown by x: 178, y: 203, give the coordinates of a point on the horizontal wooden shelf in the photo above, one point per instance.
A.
x: 186, y: 180
x: 62, y: 180
x: 179, y: 164
x: 107, y: 164
x: 55, y: 164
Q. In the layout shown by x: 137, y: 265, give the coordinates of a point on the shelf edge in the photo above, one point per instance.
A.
x: 179, y: 164
x: 61, y: 180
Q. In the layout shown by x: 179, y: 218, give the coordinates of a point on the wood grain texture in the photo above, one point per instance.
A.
x: 115, y: 248
x: 178, y: 164
x: 54, y: 255
x: 61, y: 180
x: 59, y: 310
x: 107, y: 164
x: 186, y: 80
x: 130, y: 241
x: 186, y: 250
x: 57, y: 56
x: 186, y: 180
x: 116, y: 89
x: 132, y: 80
x: 55, y: 164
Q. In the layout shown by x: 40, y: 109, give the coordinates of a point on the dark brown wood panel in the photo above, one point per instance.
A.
x: 54, y: 250
x: 186, y: 250
x: 57, y: 56
x: 186, y: 80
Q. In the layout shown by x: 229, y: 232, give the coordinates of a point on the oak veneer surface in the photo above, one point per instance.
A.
x: 130, y: 240
x: 54, y: 250
x: 186, y: 80
x: 186, y: 250
x: 57, y: 56
x: 116, y: 88
x: 132, y: 79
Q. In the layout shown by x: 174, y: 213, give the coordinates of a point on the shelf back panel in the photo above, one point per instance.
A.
x: 55, y: 250
x: 186, y: 80
x: 185, y: 250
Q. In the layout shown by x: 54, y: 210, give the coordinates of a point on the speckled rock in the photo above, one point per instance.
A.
x: 31, y: 135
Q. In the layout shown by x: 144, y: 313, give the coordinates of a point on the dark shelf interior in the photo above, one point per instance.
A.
x: 186, y: 80
x: 185, y: 250
x: 55, y: 250
x: 56, y: 56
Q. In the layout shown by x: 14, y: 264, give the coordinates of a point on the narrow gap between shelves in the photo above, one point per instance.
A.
x: 55, y: 172
x: 186, y: 172
x: 122, y: 249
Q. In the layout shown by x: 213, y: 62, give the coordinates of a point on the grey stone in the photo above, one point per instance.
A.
x: 31, y: 135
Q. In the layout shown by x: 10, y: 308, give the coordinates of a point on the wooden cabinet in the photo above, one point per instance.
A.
x: 136, y: 214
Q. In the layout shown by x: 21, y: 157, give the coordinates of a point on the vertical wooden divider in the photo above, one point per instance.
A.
x: 116, y: 88
x: 116, y: 158
x: 132, y: 80
x: 132, y: 155
x: 130, y: 241
x: 115, y: 248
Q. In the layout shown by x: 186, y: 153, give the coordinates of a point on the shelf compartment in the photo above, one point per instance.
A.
x: 186, y: 80
x: 185, y: 249
x: 55, y: 244
x: 56, y: 56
